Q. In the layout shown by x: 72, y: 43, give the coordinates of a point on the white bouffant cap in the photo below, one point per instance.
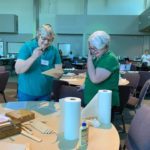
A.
x: 99, y: 39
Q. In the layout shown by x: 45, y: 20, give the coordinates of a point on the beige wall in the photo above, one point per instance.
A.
x: 74, y: 20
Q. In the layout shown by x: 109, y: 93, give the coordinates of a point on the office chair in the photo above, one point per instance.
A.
x: 138, y: 137
x: 71, y: 91
x: 144, y: 76
x: 2, y: 68
x: 133, y: 79
x: 144, y: 67
x: 124, y: 93
x: 56, y: 89
x: 3, y: 81
x: 134, y: 102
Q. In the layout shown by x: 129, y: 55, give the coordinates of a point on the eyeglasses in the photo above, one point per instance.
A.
x: 49, y: 40
x: 93, y: 49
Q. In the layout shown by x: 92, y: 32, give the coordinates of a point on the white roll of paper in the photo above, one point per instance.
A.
x: 72, y: 112
x: 91, y: 110
x: 104, y: 107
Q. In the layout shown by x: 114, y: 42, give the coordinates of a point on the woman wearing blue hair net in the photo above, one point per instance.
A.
x: 102, y: 68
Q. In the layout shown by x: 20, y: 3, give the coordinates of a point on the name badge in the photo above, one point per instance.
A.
x: 44, y: 62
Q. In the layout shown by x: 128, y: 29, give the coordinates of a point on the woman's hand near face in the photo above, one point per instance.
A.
x: 90, y: 55
x: 22, y: 66
x: 43, y: 47
x: 37, y: 52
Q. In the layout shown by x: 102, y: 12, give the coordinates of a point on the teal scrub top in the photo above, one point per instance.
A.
x: 33, y: 82
x: 110, y: 62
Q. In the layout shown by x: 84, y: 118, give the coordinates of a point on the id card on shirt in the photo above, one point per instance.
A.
x: 44, y: 62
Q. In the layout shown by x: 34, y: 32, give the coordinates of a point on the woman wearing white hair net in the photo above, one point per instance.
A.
x: 36, y: 56
x: 102, y: 68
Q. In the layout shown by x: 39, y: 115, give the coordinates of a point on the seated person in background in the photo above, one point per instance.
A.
x: 102, y: 68
x: 128, y: 65
x: 36, y: 56
x: 146, y: 59
x: 61, y: 54
x: 71, y: 56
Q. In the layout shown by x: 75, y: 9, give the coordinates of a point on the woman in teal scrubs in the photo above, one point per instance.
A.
x: 36, y: 56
